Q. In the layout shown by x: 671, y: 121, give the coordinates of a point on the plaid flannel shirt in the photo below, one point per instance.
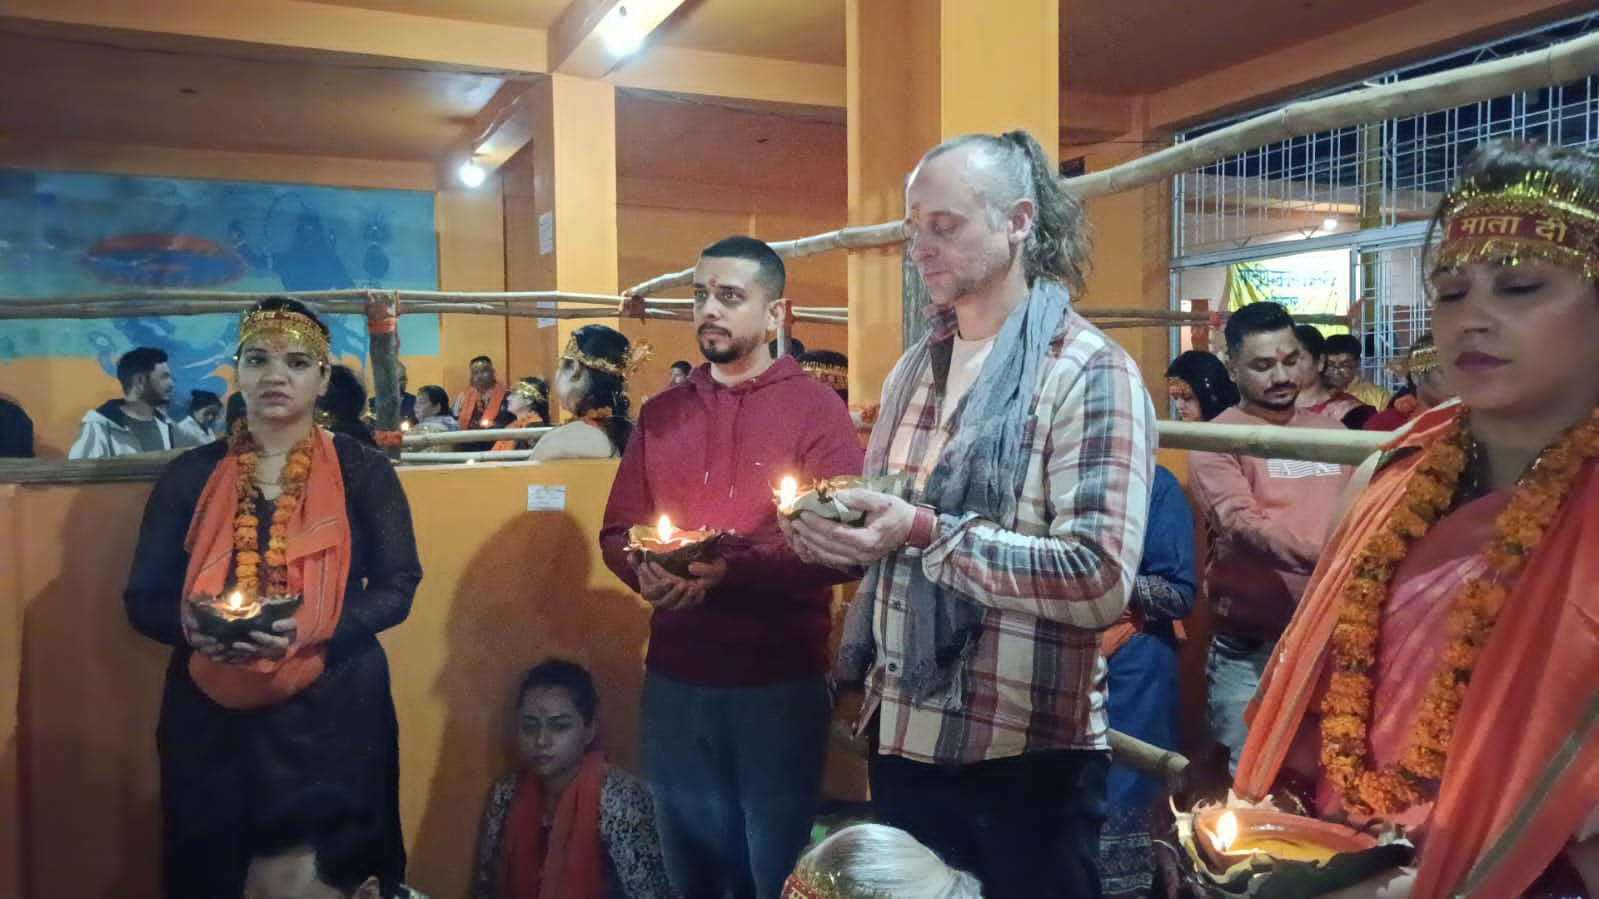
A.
x: 1048, y: 582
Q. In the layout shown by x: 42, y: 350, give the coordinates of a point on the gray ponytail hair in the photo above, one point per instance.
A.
x: 874, y: 861
x: 1012, y: 166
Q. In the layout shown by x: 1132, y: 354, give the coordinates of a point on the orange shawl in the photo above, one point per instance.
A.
x: 569, y: 866
x: 1523, y: 772
x: 529, y: 420
x: 318, y: 554
x: 471, y: 415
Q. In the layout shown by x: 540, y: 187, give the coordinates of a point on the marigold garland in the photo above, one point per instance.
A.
x: 248, y: 554
x: 1347, y: 707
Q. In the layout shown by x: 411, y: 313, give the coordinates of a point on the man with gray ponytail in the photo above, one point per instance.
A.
x: 1028, y: 442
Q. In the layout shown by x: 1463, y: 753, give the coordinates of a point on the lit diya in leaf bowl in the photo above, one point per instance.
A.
x: 1263, y: 852
x: 821, y: 498
x: 232, y: 618
x: 673, y: 548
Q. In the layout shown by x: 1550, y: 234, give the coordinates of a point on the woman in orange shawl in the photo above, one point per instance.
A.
x: 1441, y: 671
x: 566, y: 825
x: 280, y: 508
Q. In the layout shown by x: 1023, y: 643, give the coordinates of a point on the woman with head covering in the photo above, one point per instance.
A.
x: 868, y: 861
x: 1439, y: 672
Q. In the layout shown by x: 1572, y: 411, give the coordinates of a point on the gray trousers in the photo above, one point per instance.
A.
x: 736, y: 775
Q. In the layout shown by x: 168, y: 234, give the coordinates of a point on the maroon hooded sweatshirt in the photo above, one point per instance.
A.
x: 711, y: 456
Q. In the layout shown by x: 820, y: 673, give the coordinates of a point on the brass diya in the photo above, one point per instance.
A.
x: 672, y: 548
x: 232, y: 618
x: 1263, y: 852
x: 821, y: 499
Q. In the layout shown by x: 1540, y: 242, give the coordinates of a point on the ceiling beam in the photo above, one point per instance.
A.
x: 309, y: 25
x: 701, y: 72
x: 590, y: 37
x: 499, y: 131
x: 1412, y: 33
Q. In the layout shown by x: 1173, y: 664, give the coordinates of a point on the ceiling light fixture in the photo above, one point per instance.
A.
x: 471, y: 174
x: 623, y: 34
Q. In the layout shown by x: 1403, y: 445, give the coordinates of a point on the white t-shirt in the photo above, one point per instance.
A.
x: 965, y: 362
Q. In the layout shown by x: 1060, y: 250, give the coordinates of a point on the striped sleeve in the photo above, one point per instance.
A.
x: 1098, y: 459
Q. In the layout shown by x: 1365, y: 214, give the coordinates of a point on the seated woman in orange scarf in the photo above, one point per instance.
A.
x: 280, y: 508
x: 529, y: 401
x: 567, y: 825
x: 1441, y: 671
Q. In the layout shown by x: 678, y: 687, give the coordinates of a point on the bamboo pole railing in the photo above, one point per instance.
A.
x: 1560, y: 63
x: 486, y: 435
x: 1338, y: 447
x: 524, y: 304
x: 441, y: 458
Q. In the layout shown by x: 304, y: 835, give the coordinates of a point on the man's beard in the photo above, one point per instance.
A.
x: 737, y: 348
x: 152, y: 397
x: 1266, y: 401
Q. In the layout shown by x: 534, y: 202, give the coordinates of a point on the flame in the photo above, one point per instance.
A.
x: 405, y: 426
x: 664, y: 529
x: 787, y: 492
x: 486, y: 422
x: 1226, y: 832
x: 236, y: 601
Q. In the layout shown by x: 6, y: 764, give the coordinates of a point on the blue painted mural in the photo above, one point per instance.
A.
x: 83, y: 234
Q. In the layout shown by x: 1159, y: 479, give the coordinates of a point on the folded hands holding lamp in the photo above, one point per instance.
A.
x: 890, y: 524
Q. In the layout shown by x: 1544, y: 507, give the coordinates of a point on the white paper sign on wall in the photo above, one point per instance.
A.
x: 546, y: 497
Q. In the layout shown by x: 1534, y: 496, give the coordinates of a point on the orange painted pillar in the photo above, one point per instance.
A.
x: 920, y: 71
x: 573, y: 246
x: 471, y: 229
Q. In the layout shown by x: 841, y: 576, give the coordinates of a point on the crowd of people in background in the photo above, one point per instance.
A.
x: 1025, y: 568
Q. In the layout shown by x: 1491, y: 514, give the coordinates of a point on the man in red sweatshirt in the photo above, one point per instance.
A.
x: 736, y: 705
x: 1269, y: 518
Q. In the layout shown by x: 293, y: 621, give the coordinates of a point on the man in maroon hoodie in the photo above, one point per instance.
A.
x: 736, y: 706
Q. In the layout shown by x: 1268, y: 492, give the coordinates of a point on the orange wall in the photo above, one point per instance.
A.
x: 503, y: 588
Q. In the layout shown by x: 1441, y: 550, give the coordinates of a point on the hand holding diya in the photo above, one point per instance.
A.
x: 673, y: 549
x: 821, y: 498
x: 1261, y: 851
x: 232, y: 618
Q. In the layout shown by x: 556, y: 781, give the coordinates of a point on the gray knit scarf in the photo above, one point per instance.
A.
x: 980, y: 471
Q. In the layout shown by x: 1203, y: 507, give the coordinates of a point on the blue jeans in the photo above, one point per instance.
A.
x: 1234, y: 669
x: 736, y: 774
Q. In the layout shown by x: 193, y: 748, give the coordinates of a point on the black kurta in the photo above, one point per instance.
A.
x: 219, y: 767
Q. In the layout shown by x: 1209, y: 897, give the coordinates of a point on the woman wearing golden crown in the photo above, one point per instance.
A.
x: 1442, y: 669
x: 591, y: 387
x: 281, y: 515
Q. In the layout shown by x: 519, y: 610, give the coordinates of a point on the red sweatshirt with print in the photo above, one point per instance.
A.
x: 711, y: 456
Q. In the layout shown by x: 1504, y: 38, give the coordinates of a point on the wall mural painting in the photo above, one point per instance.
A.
x: 84, y: 234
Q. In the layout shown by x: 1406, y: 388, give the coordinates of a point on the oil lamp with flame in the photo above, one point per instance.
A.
x: 674, y: 548
x: 233, y: 617
x: 1261, y: 851
x: 821, y: 497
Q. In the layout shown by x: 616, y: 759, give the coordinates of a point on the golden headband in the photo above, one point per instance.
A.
x: 631, y: 360
x: 1422, y: 360
x: 834, y: 376
x: 1176, y: 385
x: 804, y: 884
x: 533, y: 393
x: 285, y: 323
x: 1539, y: 217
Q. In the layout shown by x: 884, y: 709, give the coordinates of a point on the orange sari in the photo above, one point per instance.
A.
x: 1523, y: 772
x: 567, y: 865
x: 318, y: 556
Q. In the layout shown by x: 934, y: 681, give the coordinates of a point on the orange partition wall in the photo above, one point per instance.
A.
x: 503, y: 588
